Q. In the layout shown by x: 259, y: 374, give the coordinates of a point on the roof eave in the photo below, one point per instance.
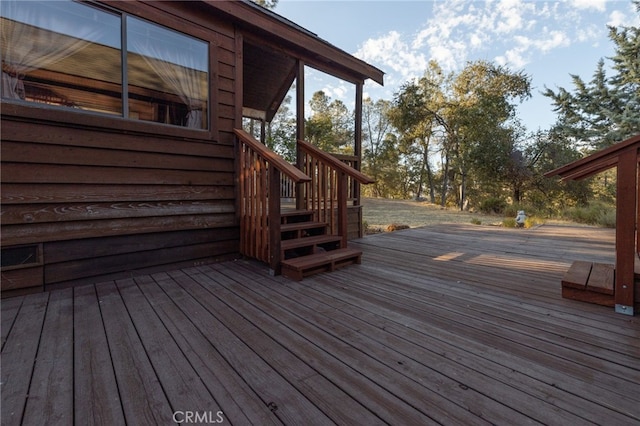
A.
x: 595, y: 163
x: 260, y: 19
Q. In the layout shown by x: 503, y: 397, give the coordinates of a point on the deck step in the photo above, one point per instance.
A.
x: 302, y: 229
x: 316, y: 240
x: 300, y: 267
x: 590, y: 282
x: 296, y: 216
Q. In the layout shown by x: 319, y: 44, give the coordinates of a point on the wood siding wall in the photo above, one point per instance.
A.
x: 101, y: 197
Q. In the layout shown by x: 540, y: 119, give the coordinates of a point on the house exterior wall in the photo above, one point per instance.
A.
x: 87, y: 197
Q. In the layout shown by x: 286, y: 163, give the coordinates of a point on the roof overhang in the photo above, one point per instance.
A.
x: 272, y: 47
x: 598, y: 161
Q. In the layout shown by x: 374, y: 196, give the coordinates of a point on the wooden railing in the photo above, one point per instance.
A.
x: 288, y: 187
x: 323, y: 184
x: 329, y: 189
x: 260, y: 171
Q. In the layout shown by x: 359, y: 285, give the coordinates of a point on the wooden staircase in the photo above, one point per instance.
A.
x: 295, y: 243
x: 307, y: 249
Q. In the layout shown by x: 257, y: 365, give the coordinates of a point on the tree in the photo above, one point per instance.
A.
x: 269, y: 4
x: 281, y: 132
x: 417, y: 114
x: 379, y: 154
x: 545, y: 152
x: 468, y: 118
x: 604, y: 110
x: 330, y: 126
x: 481, y: 120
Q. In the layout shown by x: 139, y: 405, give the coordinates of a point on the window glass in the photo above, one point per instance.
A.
x: 167, y: 75
x: 69, y: 54
x: 61, y: 53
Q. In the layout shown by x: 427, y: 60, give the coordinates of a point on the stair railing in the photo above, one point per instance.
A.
x: 260, y: 172
x: 328, y: 190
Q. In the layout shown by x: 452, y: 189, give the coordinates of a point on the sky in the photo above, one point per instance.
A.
x: 547, y: 40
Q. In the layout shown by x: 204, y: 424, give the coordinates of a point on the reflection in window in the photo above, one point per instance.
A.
x: 61, y: 53
x: 168, y: 66
x: 69, y: 54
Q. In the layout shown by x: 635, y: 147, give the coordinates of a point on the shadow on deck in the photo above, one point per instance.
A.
x: 451, y: 324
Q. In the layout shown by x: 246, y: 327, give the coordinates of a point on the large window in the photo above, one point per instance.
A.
x: 68, y: 54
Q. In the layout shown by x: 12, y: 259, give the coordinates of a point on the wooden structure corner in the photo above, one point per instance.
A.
x: 625, y: 156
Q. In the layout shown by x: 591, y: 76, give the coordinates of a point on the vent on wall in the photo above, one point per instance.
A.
x: 20, y: 256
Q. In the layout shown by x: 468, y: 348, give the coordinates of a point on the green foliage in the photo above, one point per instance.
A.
x: 380, y: 156
x: 605, y: 109
x: 493, y: 205
x: 281, y: 132
x: 532, y: 221
x: 476, y: 221
x: 330, y: 126
x: 269, y: 4
x: 596, y: 213
x: 458, y: 130
x: 509, y: 222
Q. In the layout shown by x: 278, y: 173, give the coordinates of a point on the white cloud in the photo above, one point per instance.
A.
x: 624, y: 18
x: 510, y: 16
x: 513, y: 32
x: 599, y: 5
x: 392, y: 53
x: 336, y: 92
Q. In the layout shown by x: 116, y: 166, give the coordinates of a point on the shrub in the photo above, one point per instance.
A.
x: 493, y: 205
x: 607, y: 218
x: 532, y: 221
x: 476, y: 221
x: 509, y: 222
x: 600, y: 214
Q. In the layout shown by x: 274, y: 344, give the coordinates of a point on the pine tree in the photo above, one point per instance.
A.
x: 606, y: 109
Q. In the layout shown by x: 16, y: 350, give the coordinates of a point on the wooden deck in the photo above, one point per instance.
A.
x: 455, y: 324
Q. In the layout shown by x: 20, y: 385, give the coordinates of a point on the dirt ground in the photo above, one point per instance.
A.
x: 379, y: 213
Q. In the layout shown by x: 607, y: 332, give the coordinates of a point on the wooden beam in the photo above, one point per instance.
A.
x: 275, y: 235
x: 299, y: 128
x: 626, y: 216
x: 357, y: 150
x: 254, y: 113
x: 596, y: 162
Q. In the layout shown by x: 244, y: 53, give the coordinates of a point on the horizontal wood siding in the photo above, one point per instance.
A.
x: 106, y: 196
x: 166, y: 199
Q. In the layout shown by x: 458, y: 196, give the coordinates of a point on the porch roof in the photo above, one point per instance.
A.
x: 273, y: 44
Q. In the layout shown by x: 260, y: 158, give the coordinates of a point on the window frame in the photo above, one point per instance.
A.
x: 71, y: 116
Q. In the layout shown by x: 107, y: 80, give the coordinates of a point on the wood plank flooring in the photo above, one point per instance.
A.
x: 452, y: 324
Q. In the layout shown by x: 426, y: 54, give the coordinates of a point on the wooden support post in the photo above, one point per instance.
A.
x: 638, y: 208
x: 626, y: 216
x: 274, y: 220
x: 357, y: 151
x: 300, y: 195
x: 342, y: 208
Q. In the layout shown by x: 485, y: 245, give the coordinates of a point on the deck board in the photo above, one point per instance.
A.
x: 19, y: 355
x: 451, y: 324
x: 96, y: 396
x: 50, y: 399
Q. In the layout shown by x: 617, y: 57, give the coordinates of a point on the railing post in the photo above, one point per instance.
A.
x: 274, y: 220
x: 627, y: 179
x: 342, y: 208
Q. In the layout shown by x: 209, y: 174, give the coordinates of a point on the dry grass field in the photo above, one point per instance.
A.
x: 379, y: 213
